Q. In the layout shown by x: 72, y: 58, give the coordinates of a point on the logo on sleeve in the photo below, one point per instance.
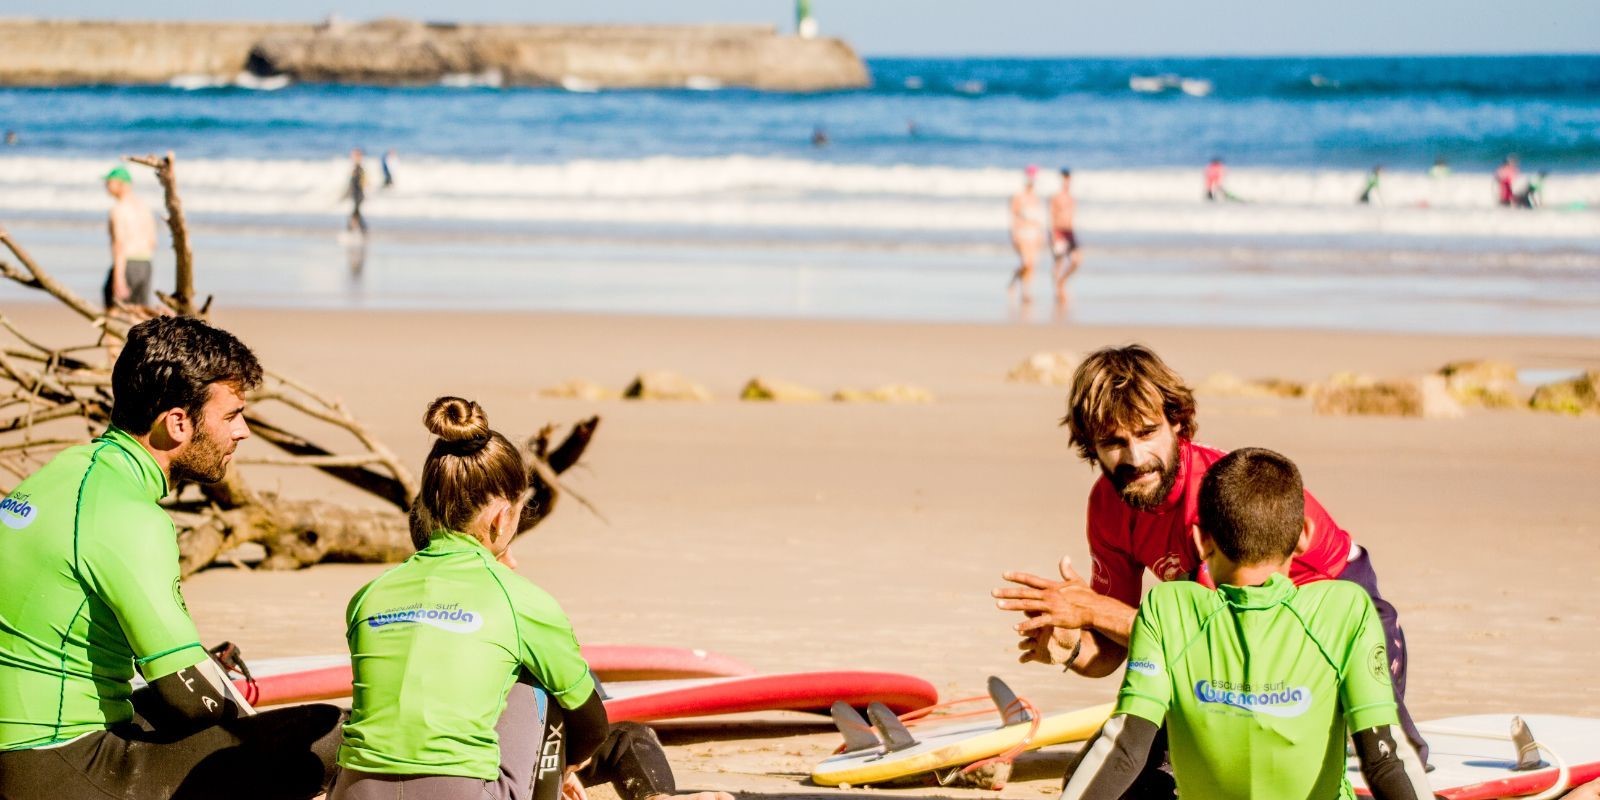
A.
x: 1144, y: 667
x: 17, y: 513
x: 1378, y: 659
x: 177, y: 594
x: 1276, y: 700
x: 446, y: 617
x: 1169, y: 567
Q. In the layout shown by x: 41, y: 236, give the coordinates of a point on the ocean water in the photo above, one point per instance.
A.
x: 916, y: 170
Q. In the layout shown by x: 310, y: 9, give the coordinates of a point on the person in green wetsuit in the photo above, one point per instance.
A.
x: 1256, y: 681
x: 89, y: 566
x: 468, y: 678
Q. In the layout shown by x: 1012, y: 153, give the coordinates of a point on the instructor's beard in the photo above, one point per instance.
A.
x: 1149, y: 500
x: 203, y: 461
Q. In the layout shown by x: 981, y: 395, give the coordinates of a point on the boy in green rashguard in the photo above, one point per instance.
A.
x: 1257, y: 681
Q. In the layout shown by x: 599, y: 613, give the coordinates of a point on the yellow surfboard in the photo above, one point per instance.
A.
x: 957, y: 745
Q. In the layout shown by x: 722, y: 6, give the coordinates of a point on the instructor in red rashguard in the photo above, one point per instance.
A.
x: 1133, y: 417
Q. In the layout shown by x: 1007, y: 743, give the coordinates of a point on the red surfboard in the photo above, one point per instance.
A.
x: 1475, y: 757
x: 307, y: 678
x: 798, y: 691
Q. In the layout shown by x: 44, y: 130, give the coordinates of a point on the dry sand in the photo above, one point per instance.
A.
x: 819, y: 536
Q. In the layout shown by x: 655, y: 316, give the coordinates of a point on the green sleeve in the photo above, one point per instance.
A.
x: 549, y: 647
x: 130, y: 560
x: 1365, y: 691
x: 1146, y: 687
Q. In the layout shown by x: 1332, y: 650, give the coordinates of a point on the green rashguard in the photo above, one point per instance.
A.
x: 89, y: 563
x: 436, y: 644
x: 1258, y: 685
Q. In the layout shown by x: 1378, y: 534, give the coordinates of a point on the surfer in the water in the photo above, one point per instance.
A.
x: 90, y: 570
x: 1256, y: 672
x: 1131, y: 416
x: 468, y: 679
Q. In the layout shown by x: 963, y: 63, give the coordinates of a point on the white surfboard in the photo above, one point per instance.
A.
x: 1474, y: 758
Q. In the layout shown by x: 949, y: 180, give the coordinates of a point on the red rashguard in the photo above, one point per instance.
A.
x: 1123, y: 542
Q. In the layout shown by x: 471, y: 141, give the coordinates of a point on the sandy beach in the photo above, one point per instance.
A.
x: 867, y: 536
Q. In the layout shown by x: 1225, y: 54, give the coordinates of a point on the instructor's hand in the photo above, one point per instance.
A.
x: 572, y: 788
x: 1067, y: 603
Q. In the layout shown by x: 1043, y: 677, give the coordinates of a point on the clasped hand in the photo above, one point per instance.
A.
x: 1055, y: 611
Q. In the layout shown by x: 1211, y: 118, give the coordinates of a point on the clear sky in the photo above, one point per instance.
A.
x: 1001, y: 27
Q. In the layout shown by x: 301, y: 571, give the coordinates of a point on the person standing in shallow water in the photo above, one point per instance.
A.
x: 356, y: 193
x: 1027, y: 235
x: 133, y: 243
x: 1063, y: 238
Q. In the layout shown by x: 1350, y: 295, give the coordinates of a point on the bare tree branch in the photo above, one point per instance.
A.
x: 182, y: 299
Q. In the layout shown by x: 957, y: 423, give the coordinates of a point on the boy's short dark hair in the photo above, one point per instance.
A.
x: 171, y: 362
x: 1253, y: 505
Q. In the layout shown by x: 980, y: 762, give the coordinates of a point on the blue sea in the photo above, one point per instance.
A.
x: 914, y: 171
x: 1303, y: 113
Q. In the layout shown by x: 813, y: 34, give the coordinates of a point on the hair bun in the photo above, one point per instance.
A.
x: 453, y: 419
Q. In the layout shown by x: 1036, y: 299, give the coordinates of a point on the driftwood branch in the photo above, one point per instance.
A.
x: 182, y: 299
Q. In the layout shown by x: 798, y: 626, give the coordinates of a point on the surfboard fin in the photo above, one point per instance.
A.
x: 890, y: 729
x: 1012, y: 711
x: 1527, y: 746
x: 858, y: 735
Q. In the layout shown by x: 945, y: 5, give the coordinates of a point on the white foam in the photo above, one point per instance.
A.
x: 744, y: 191
x: 487, y: 79
x: 243, y: 80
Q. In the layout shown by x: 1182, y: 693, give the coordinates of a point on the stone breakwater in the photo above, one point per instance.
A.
x: 400, y: 52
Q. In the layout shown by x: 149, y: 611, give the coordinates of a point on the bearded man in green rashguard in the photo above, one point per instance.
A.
x: 1256, y: 680
x: 89, y: 562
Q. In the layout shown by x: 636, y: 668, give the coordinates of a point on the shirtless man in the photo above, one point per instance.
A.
x: 133, y: 242
x: 1063, y: 242
x: 1027, y: 233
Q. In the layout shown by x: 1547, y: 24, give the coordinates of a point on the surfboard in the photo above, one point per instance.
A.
x: 899, y: 752
x: 303, y: 679
x: 646, y: 701
x: 310, y: 678
x: 1475, y: 758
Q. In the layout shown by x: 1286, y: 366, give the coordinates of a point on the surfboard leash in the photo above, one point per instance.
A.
x: 1010, y: 754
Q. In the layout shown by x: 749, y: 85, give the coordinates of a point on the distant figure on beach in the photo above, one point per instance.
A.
x: 11, y: 138
x: 1027, y: 233
x: 1533, y: 195
x: 387, y: 165
x: 911, y: 128
x: 1369, y: 193
x: 1215, y: 191
x: 1505, y: 181
x: 356, y: 193
x: 1440, y: 169
x: 1063, y: 241
x: 133, y: 243
x: 819, y: 137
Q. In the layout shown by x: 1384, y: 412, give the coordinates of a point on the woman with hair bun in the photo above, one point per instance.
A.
x: 463, y: 668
